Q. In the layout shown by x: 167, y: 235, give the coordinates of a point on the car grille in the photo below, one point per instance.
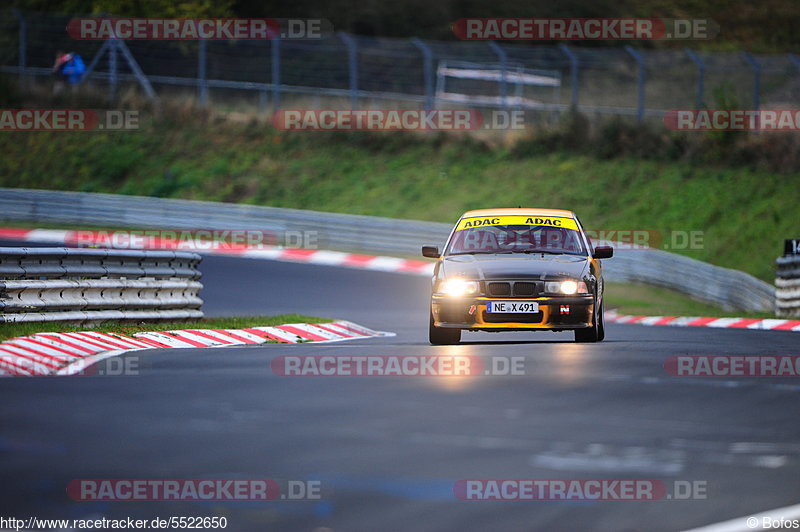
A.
x: 499, y: 289
x: 525, y: 289
x: 453, y: 314
x: 517, y: 318
x: 520, y: 289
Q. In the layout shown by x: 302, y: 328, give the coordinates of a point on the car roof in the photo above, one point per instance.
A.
x: 519, y: 212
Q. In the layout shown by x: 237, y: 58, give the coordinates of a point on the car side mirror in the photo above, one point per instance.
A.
x: 431, y: 252
x: 603, y: 252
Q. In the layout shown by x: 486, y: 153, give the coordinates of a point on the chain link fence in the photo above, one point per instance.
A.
x: 345, y: 70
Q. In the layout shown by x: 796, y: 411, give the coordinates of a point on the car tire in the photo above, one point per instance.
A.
x: 596, y: 332
x: 601, y: 330
x: 440, y: 336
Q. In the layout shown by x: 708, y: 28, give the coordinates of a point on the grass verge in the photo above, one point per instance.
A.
x: 742, y: 213
x: 13, y: 330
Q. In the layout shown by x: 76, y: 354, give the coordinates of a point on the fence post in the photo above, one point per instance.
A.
x: 112, y: 70
x: 701, y: 76
x: 503, y: 56
x: 276, y: 73
x: 795, y: 60
x: 756, y: 79
x: 427, y: 71
x: 573, y: 73
x: 439, y: 81
x: 202, y: 82
x: 352, y: 60
x: 23, y: 45
x: 640, y: 82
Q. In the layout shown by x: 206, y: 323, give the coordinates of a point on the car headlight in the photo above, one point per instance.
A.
x: 459, y: 287
x: 566, y: 287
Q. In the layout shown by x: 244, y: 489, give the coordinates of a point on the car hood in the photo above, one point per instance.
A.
x: 517, y: 266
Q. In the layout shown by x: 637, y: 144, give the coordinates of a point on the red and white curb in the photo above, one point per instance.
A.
x: 311, y: 256
x: 768, y: 324
x: 69, y: 353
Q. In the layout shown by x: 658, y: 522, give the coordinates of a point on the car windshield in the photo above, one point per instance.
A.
x: 516, y: 239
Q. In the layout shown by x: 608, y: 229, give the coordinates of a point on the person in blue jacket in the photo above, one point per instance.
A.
x: 69, y: 69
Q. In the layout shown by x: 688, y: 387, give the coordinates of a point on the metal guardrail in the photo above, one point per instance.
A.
x: 787, y: 293
x: 334, y: 231
x: 728, y: 288
x: 731, y: 289
x: 95, y: 285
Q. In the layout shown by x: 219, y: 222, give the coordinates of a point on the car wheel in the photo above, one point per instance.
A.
x: 594, y: 333
x: 439, y: 336
x: 601, y: 331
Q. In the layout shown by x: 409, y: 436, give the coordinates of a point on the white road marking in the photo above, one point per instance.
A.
x: 743, y: 524
x: 598, y: 457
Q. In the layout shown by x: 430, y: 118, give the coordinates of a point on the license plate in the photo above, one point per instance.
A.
x: 512, y: 307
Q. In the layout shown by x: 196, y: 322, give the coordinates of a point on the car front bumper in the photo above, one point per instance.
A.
x: 555, y: 313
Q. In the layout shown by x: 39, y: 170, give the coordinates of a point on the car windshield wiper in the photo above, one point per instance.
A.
x: 480, y: 252
x: 546, y: 252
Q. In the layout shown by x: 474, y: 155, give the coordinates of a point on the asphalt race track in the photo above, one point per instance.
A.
x: 388, y: 450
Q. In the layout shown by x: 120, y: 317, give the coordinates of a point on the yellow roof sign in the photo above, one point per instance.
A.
x: 547, y: 221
